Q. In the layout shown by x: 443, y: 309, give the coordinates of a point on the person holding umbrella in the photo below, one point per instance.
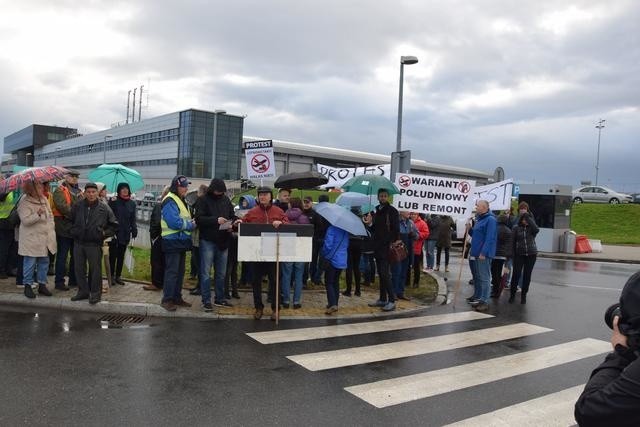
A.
x: 334, y: 254
x: 125, y: 211
x: 36, y: 237
x: 64, y: 198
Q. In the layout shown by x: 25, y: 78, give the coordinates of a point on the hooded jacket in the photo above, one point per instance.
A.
x: 297, y: 216
x: 334, y: 248
x: 423, y: 234
x: 251, y: 201
x: 208, y: 209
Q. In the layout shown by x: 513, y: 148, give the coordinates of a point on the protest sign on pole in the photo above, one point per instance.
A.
x: 260, y: 160
x: 434, y: 195
x: 338, y: 176
x: 498, y: 194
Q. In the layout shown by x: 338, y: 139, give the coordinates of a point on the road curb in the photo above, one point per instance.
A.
x: 154, y: 310
x: 595, y: 259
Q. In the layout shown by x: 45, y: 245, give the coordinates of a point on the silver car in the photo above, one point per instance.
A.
x: 599, y: 194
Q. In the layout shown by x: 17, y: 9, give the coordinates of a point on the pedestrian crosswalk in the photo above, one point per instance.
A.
x: 555, y: 408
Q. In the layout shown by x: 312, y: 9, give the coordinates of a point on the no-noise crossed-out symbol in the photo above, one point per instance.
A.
x: 260, y: 163
x: 404, y: 181
x: 464, y: 187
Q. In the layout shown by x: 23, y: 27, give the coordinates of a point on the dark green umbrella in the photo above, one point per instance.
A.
x: 370, y: 184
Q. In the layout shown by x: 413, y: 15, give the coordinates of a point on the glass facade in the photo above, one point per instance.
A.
x: 202, y: 133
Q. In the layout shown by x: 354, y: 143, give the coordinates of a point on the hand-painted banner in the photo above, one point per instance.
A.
x: 434, y: 195
x: 259, y: 159
x: 498, y: 195
x: 338, y: 176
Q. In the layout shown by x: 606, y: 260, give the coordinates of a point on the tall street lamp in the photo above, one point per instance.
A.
x: 408, y: 60
x: 599, y: 126
x: 104, y: 148
x: 215, y: 140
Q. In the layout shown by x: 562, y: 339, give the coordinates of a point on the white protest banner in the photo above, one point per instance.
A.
x: 434, y: 195
x: 498, y: 195
x: 259, y: 159
x: 338, y: 176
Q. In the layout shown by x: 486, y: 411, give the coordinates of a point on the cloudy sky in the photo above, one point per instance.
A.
x: 499, y: 83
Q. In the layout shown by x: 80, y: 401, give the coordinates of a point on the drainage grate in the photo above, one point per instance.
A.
x: 122, y: 318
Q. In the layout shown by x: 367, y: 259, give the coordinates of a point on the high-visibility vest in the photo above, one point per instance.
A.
x: 67, y: 197
x: 184, y: 214
x: 6, y: 206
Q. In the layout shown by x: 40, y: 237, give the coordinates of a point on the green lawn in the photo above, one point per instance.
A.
x: 612, y: 224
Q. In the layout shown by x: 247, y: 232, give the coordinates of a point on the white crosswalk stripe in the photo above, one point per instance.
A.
x: 395, y: 350
x: 385, y: 393
x: 321, y: 332
x: 555, y: 409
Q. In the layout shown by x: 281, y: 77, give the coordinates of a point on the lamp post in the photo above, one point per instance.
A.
x: 599, y: 126
x: 408, y: 60
x: 215, y: 141
x: 104, y: 148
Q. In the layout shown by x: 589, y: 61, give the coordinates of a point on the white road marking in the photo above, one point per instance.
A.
x: 305, y: 334
x: 382, y: 394
x: 555, y: 409
x: 395, y: 350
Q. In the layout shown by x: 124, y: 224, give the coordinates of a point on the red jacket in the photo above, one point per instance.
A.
x: 423, y: 233
x: 261, y: 215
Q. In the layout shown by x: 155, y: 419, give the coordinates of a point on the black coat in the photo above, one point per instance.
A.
x: 155, y: 221
x: 504, y: 244
x: 92, y: 223
x: 612, y: 395
x: 125, y: 212
x: 386, y: 226
x: 524, y: 238
x: 207, y: 211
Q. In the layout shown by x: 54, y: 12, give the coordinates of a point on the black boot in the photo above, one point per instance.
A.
x: 42, y: 290
x: 28, y: 292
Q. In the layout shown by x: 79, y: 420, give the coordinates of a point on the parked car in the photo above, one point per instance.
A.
x: 635, y: 198
x: 597, y: 194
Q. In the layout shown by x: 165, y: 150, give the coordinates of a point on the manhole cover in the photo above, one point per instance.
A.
x: 122, y: 321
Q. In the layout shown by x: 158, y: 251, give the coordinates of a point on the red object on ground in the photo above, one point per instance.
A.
x: 582, y: 245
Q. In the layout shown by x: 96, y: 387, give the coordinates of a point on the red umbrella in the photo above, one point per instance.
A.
x: 38, y: 174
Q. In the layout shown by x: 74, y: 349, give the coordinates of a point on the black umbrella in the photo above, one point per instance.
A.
x: 301, y: 180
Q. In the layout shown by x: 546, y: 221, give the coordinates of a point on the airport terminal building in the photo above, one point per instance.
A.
x: 196, y: 143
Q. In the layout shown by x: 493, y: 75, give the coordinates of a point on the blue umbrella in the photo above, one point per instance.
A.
x: 352, y: 199
x: 341, y: 217
x: 112, y: 175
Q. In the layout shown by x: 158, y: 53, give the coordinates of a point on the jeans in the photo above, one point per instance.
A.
x: 211, y: 255
x: 292, y: 270
x: 430, y: 249
x: 482, y: 279
x: 522, y: 265
x: 65, y: 247
x: 368, y: 267
x: 173, y: 276
x: 399, y: 272
x: 331, y: 276
x: 29, y: 264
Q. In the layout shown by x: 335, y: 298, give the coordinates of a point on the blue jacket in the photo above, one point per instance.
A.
x: 484, y: 235
x: 176, y: 242
x: 334, y: 250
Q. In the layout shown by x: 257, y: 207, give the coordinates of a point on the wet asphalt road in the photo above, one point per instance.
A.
x: 64, y: 369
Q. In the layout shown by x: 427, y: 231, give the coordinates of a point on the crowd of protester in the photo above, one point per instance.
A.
x: 68, y: 232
